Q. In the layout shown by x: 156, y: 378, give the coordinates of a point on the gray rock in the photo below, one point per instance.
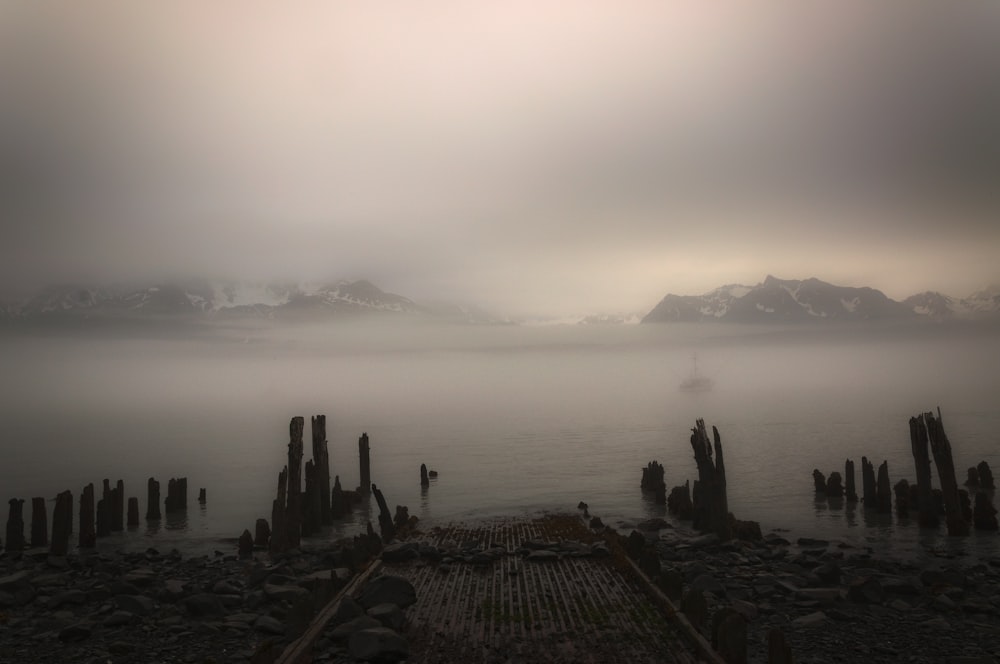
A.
x: 388, y: 589
x: 15, y: 581
x: 289, y: 594
x: 344, y: 630
x: 269, y: 625
x: 543, y: 554
x: 68, y: 597
x: 204, y: 605
x: 810, y: 619
x: 400, y: 552
x: 77, y: 632
x: 137, y: 604
x: 378, y: 643
x: 389, y: 615
x: 707, y: 583
x: 119, y: 618
x: 226, y: 587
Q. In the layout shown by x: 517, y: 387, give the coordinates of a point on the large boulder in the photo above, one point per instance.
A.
x: 388, y: 589
x: 378, y: 644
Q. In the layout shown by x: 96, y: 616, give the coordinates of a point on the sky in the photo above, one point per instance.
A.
x: 530, y: 157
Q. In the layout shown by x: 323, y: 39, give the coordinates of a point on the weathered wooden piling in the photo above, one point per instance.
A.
x: 653, y: 482
x: 245, y: 545
x: 321, y: 461
x: 152, y: 499
x: 15, y: 525
x: 883, y: 490
x: 339, y: 504
x: 984, y: 515
x: 868, y: 483
x: 834, y: 487
x: 985, y: 476
x: 39, y: 523
x: 293, y: 506
x: 972, y: 478
x: 104, y: 517
x: 385, y: 523
x: 902, y: 492
x: 176, y: 495
x: 941, y: 449
x: 133, y: 512
x: 851, y: 492
x: 679, y: 502
x: 88, y: 537
x: 927, y: 515
x: 311, y: 508
x: 202, y: 496
x: 819, y: 482
x: 62, y: 517
x: 279, y: 540
x: 118, y: 507
x: 424, y: 479
x: 364, y: 454
x: 262, y: 533
x: 712, y: 514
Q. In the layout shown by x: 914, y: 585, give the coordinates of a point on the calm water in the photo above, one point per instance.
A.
x: 513, y: 419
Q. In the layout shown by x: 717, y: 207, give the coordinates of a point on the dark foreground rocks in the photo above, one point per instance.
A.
x: 833, y: 603
x: 153, y: 607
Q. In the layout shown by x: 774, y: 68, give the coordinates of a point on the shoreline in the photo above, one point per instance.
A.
x: 833, y: 601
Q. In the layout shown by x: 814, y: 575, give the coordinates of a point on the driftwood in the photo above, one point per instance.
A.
x: 941, y: 449
x: 711, y: 505
x: 850, y: 490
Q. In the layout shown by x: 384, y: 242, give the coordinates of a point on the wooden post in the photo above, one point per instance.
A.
x: 62, y: 516
x: 424, y: 479
x: 712, y: 514
x: 883, y: 491
x: 103, y: 517
x: 941, y: 449
x: 88, y: 538
x: 366, y: 473
x: 118, y: 507
x: 15, y: 525
x: 152, y: 500
x: 385, y: 523
x: 321, y: 460
x: 652, y: 481
x: 262, y: 533
x: 868, y: 483
x: 133, y: 512
x: 985, y: 476
x: 339, y: 505
x: 39, y: 523
x: 176, y: 495
x: 293, y: 508
x: 851, y: 491
x: 279, y: 542
x: 819, y: 482
x: 202, y: 496
x: 902, y: 491
x: 311, y: 512
x: 926, y: 513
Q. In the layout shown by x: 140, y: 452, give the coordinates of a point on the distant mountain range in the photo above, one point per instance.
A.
x: 229, y: 300
x: 791, y: 300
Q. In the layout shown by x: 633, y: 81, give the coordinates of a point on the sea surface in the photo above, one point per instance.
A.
x: 514, y: 419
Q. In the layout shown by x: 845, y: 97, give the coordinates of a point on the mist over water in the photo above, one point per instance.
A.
x: 514, y: 419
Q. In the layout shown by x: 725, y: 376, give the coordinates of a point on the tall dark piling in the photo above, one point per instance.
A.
x: 711, y: 505
x: 176, y: 495
x: 133, y: 512
x: 883, y: 490
x: 293, y: 507
x: 868, y: 483
x: 279, y: 540
x: 985, y: 476
x: 152, y: 499
x: 851, y: 491
x: 15, y: 525
x: 202, y: 496
x: 902, y: 492
x: 927, y: 515
x: 262, y: 533
x: 118, y: 507
x: 366, y: 472
x: 941, y: 449
x: 39, y: 523
x: 321, y: 460
x: 424, y: 479
x: 679, y: 502
x: 312, y: 508
x: 653, y: 482
x: 103, y: 517
x: 385, y: 522
x: 819, y: 482
x: 834, y: 487
x: 88, y: 537
x: 62, y: 517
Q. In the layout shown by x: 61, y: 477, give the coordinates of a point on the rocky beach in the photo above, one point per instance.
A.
x: 832, y: 602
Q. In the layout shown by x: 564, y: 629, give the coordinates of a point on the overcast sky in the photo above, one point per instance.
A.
x: 527, y: 156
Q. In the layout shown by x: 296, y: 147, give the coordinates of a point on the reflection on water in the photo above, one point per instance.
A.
x: 176, y: 520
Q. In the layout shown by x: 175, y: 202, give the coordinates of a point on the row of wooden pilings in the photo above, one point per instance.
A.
x: 108, y: 515
x: 950, y: 502
x: 298, y: 513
